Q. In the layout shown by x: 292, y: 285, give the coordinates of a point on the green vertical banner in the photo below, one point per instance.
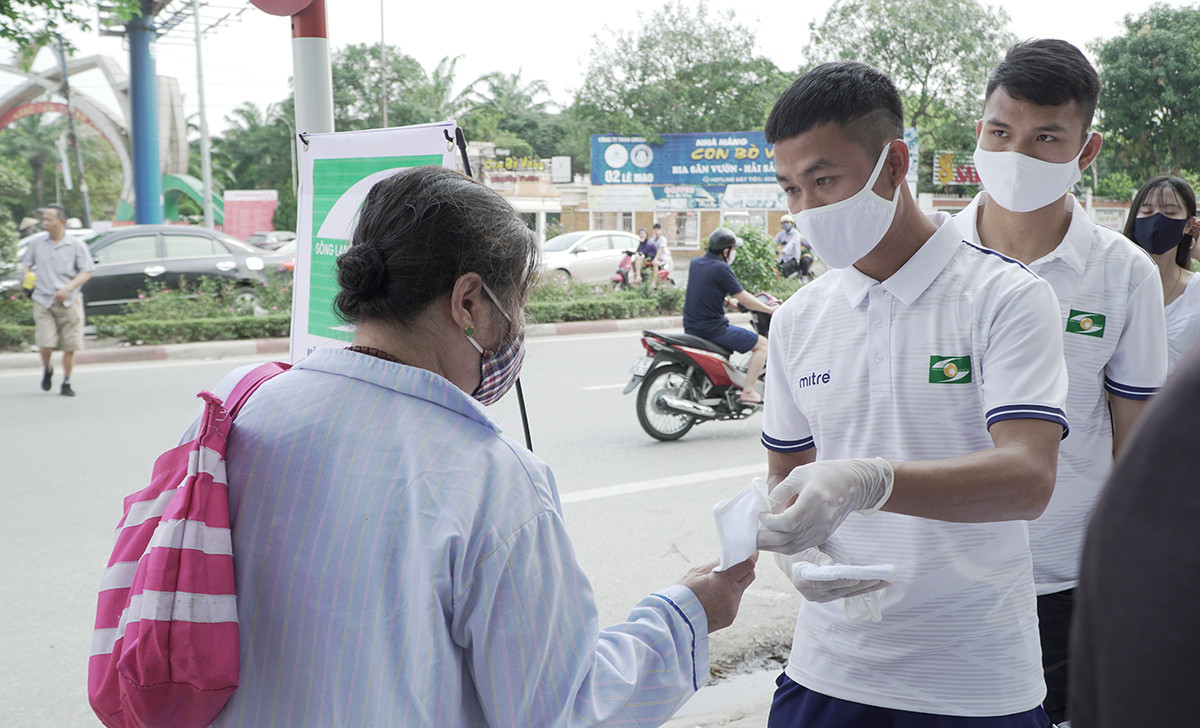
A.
x: 337, y: 171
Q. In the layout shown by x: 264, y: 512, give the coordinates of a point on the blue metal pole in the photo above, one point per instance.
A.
x: 143, y: 100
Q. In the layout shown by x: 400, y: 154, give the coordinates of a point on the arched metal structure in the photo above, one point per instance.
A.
x: 113, y: 125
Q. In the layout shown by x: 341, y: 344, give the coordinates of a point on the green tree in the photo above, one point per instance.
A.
x: 508, y: 95
x: 255, y: 154
x: 1116, y: 186
x: 754, y: 263
x: 13, y: 185
x: 514, y: 114
x: 31, y: 23
x: 1151, y: 91
x: 436, y: 99
x: 32, y: 140
x: 104, y: 176
x: 938, y: 53
x: 413, y: 96
x: 688, y: 69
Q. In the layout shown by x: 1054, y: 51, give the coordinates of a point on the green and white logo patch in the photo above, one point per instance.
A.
x: 1085, y: 323
x: 949, y: 369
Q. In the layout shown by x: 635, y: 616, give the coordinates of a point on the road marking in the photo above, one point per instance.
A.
x: 670, y: 481
x: 596, y: 387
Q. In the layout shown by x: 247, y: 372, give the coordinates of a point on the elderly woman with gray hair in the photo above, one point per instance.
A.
x: 400, y: 561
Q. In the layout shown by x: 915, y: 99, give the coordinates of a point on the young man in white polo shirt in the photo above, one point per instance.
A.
x: 1034, y: 142
x: 940, y: 361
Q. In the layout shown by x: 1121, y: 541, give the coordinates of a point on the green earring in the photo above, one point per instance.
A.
x: 469, y: 330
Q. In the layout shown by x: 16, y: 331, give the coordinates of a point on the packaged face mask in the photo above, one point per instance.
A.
x: 737, y: 523
x: 862, y: 607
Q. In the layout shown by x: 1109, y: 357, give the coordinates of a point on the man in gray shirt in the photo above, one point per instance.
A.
x: 63, y: 264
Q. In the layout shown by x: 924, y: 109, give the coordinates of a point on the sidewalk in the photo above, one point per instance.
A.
x: 747, y: 714
x: 100, y: 351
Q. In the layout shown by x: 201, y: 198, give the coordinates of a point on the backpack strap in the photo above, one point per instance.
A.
x: 244, y: 388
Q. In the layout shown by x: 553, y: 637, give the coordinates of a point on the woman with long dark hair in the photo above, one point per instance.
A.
x: 1162, y: 220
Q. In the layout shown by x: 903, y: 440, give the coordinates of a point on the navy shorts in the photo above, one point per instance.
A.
x: 736, y: 338
x: 795, y: 706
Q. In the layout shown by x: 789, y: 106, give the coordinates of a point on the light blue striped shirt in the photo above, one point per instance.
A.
x: 401, y: 563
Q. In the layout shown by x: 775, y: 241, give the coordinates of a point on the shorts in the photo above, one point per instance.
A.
x: 795, y: 706
x: 736, y: 338
x: 59, y: 325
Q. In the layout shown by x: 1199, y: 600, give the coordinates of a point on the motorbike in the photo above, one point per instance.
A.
x: 684, y: 380
x: 623, y: 278
x: 801, y: 269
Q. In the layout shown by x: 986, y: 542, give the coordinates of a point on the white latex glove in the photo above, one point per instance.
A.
x: 827, y: 590
x: 826, y: 492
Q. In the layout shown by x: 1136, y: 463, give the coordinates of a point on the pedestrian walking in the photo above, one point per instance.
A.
x: 62, y: 264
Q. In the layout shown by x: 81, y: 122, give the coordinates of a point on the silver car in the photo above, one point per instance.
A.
x: 586, y: 256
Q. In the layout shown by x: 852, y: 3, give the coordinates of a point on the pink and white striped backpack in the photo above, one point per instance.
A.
x: 165, y: 645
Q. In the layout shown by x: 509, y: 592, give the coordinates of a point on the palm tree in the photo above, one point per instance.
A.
x: 253, y: 154
x: 508, y: 96
x: 437, y: 99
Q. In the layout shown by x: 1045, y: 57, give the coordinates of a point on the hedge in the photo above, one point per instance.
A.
x: 548, y: 304
x: 190, y: 330
x: 632, y: 304
x: 14, y: 336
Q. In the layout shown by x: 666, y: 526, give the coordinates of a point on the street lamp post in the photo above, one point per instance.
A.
x: 66, y: 92
x: 384, y: 68
x: 205, y: 143
x: 292, y: 142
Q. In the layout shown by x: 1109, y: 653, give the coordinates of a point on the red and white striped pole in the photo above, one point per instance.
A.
x: 311, y: 71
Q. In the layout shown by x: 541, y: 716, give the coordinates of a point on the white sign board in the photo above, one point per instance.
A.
x: 336, y: 172
x: 560, y: 170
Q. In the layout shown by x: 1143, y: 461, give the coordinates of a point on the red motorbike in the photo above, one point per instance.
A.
x: 623, y: 278
x: 684, y: 380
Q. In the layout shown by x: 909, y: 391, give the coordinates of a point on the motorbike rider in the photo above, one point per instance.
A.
x: 710, y: 280
x: 643, y: 259
x: 795, y: 254
x: 663, y: 261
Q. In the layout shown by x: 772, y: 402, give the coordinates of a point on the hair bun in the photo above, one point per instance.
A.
x: 362, y: 272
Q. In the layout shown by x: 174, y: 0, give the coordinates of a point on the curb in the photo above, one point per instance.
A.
x: 271, y: 347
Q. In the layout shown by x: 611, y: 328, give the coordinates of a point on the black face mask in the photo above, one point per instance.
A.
x: 1158, y: 233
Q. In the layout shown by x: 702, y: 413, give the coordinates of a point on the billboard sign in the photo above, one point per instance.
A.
x: 954, y: 168
x: 700, y: 160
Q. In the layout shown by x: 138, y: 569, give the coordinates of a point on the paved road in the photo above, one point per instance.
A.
x: 638, y: 510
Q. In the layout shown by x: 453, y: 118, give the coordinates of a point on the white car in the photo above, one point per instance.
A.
x: 271, y: 240
x: 587, y: 256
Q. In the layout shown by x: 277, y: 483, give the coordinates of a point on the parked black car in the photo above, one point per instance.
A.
x: 140, y: 257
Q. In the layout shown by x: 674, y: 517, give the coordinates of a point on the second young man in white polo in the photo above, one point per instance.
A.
x: 1034, y: 142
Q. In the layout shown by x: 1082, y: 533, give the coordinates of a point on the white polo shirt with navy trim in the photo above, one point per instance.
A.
x: 917, y: 367
x: 1114, y: 337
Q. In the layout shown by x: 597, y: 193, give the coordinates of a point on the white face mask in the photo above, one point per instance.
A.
x: 1020, y: 183
x: 845, y: 231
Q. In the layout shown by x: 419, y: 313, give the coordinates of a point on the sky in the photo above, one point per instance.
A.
x: 249, y: 57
